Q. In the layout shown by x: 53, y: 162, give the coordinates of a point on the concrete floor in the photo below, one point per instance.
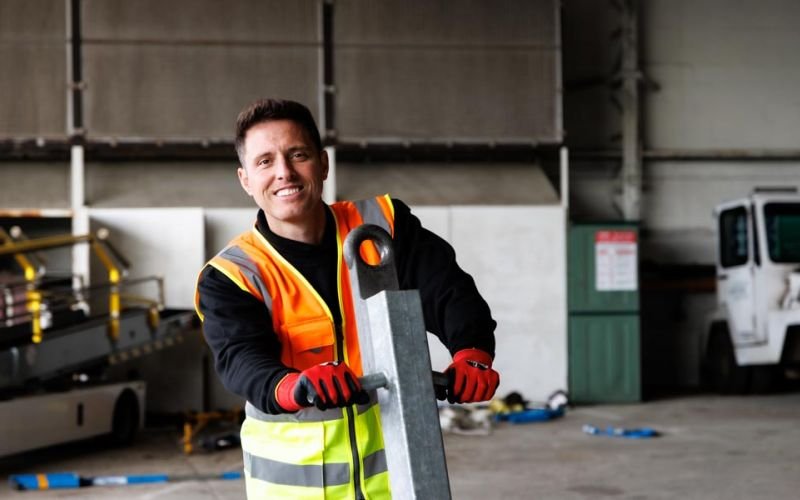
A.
x: 711, y: 447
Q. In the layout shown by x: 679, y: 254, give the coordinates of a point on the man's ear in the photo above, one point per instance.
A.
x: 244, y: 180
x: 323, y: 156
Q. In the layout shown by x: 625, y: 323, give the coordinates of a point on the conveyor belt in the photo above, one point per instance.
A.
x: 86, y: 345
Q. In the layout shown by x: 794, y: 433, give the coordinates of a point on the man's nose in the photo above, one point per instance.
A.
x: 283, y: 168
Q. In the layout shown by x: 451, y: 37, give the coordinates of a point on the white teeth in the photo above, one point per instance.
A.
x: 287, y: 191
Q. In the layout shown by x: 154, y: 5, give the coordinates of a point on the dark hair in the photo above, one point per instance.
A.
x: 264, y: 110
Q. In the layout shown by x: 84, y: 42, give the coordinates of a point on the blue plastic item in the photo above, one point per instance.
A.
x: 635, y: 433
x: 530, y: 415
x: 72, y: 480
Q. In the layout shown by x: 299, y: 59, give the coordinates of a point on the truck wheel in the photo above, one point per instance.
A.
x: 764, y: 379
x: 725, y: 376
x: 125, y: 421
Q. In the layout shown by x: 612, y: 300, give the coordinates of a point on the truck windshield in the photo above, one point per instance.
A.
x: 783, y: 231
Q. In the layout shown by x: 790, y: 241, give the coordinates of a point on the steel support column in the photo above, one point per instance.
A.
x: 631, y: 174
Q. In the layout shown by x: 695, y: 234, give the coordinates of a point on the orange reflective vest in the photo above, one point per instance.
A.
x: 295, y: 455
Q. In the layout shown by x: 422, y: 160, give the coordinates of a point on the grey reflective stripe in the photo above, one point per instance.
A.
x: 249, y: 270
x: 313, y: 476
x: 371, y: 213
x: 310, y: 414
x: 375, y: 463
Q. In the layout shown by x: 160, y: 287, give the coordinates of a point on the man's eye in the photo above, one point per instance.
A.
x: 263, y: 161
x: 299, y: 156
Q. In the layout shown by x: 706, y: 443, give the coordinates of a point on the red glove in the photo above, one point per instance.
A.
x: 470, y: 377
x: 328, y: 385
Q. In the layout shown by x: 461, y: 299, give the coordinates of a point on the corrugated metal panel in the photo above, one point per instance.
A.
x: 186, y: 68
x: 34, y: 90
x: 32, y: 20
x: 249, y: 21
x: 186, y: 91
x: 448, y: 184
x: 33, y: 79
x: 165, y: 184
x: 34, y: 185
x: 420, y: 22
x: 604, y: 354
x: 441, y: 70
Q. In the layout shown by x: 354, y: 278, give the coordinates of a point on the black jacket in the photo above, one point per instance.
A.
x: 238, y: 327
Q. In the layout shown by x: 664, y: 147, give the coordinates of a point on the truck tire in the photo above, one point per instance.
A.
x: 764, y: 379
x: 724, y: 375
x: 125, y: 422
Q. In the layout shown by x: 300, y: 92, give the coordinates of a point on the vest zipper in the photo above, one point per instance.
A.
x: 351, y: 423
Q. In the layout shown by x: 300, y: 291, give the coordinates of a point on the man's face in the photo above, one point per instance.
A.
x: 283, y: 171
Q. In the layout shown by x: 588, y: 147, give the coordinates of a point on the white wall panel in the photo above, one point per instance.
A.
x: 517, y: 257
x: 157, y: 241
x: 223, y: 224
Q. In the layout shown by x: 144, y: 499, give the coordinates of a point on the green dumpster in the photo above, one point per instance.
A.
x: 603, y: 304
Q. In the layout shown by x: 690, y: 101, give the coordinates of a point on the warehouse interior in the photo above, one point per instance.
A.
x: 585, y: 159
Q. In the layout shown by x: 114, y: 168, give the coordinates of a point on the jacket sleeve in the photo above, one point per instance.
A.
x: 453, y: 308
x: 238, y: 329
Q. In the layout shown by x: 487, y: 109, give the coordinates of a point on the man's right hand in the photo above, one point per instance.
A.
x: 327, y: 385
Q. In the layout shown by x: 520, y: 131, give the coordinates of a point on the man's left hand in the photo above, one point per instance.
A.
x: 470, y: 377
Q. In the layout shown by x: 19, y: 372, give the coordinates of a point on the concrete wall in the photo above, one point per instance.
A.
x: 726, y: 80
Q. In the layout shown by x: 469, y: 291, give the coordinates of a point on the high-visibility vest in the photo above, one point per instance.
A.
x: 335, y: 453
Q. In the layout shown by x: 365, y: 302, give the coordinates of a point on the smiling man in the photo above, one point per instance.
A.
x: 283, y: 169
x: 278, y: 316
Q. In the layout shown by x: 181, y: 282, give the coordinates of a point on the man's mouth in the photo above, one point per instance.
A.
x: 288, y: 191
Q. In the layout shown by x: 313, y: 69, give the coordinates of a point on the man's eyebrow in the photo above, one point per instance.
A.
x: 265, y: 154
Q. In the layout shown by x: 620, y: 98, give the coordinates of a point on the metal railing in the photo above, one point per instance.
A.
x: 30, y: 299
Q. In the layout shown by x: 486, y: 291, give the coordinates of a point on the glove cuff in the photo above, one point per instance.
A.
x: 284, y: 392
x: 482, y: 357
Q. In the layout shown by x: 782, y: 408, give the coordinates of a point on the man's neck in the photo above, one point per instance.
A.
x: 310, y: 231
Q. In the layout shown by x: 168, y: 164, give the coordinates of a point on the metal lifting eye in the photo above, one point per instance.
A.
x: 368, y: 232
x: 370, y: 279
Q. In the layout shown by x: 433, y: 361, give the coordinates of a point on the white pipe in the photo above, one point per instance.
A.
x: 329, y: 187
x: 563, y: 156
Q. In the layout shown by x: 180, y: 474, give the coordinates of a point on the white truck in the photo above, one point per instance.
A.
x: 47, y: 419
x: 755, y: 332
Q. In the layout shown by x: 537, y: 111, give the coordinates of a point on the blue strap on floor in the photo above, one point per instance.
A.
x: 44, y: 481
x: 635, y: 433
x: 63, y: 480
x: 530, y: 415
